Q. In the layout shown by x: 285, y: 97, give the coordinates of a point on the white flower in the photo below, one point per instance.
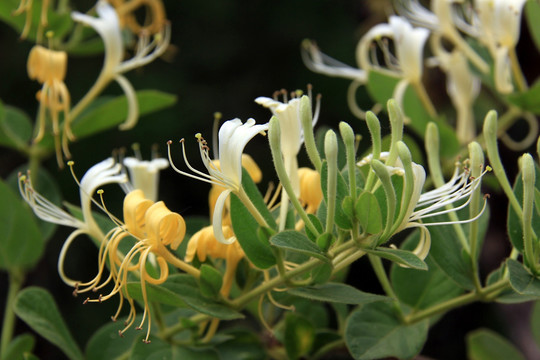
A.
x: 418, y: 206
x: 107, y: 25
x: 499, y: 23
x: 233, y: 138
x: 103, y: 173
x: 144, y: 175
x: 407, y: 61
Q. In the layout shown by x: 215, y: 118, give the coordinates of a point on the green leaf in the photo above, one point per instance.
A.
x: 15, y: 128
x: 155, y: 293
x: 299, y: 335
x: 322, y: 273
x: 21, y: 245
x: 336, y: 293
x: 245, y: 229
x: 527, y: 100
x: 368, y: 211
x: 521, y: 280
x: 485, y: 344
x: 342, y: 191
x: 447, y: 253
x: 374, y: 331
x: 245, y: 345
x: 159, y: 350
x: 402, y: 257
x: 515, y: 230
x: 532, y: 14
x: 106, y: 343
x: 418, y: 288
x: 210, y: 281
x: 108, y: 113
x: 36, y: 307
x: 19, y: 347
x: 185, y: 287
x: 318, y: 225
x: 294, y: 241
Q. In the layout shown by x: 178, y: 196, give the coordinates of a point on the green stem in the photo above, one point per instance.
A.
x: 516, y: 70
x: 456, y: 302
x: 376, y: 264
x: 16, y: 279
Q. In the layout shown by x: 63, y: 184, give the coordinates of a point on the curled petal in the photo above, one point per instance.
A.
x: 217, y: 219
x: 133, y: 105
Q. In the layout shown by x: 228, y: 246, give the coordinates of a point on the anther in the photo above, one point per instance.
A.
x: 169, y: 142
x: 71, y: 163
x: 86, y: 301
x: 113, y: 318
x: 120, y: 333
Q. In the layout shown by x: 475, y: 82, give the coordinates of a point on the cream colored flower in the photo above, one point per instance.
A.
x: 233, y: 137
x: 107, y: 25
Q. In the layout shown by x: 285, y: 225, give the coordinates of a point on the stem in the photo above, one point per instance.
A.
x: 424, y: 98
x: 174, y: 261
x: 377, y: 265
x: 16, y: 279
x: 456, y: 302
x: 516, y: 70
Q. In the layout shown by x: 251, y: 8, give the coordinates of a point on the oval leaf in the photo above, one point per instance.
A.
x: 337, y: 293
x: 294, y: 241
x: 36, y: 307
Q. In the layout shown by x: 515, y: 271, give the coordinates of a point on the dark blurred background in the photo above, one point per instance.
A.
x: 228, y: 53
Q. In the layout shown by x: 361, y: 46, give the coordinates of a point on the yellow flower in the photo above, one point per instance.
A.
x: 310, y: 189
x: 126, y: 14
x: 153, y: 226
x: 203, y: 244
x: 49, y: 67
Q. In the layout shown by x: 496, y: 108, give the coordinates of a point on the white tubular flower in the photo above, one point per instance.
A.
x: 321, y: 63
x: 233, y: 138
x: 105, y: 172
x: 439, y: 201
x: 144, y: 175
x: 107, y: 25
x: 463, y: 87
x: 406, y: 63
x: 499, y: 23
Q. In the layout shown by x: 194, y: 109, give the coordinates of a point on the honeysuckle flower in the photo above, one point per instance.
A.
x: 310, y: 189
x: 49, y: 67
x: 254, y: 172
x: 126, y: 14
x: 154, y: 227
x: 406, y: 63
x: 448, y: 19
x: 289, y: 114
x: 499, y: 23
x: 144, y: 175
x: 417, y: 206
x: 233, y: 137
x: 105, y: 172
x: 107, y: 25
x: 203, y: 244
x: 463, y: 87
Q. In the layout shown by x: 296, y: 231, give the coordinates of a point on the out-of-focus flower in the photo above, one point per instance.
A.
x: 499, y: 23
x: 107, y: 25
x: 49, y: 68
x: 204, y: 244
x: 407, y: 61
x: 233, y: 137
x: 463, y: 87
x: 126, y: 14
x: 310, y: 189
